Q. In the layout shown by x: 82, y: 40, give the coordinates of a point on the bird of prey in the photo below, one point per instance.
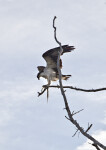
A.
x: 50, y: 72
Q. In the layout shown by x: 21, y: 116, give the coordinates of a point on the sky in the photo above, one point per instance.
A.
x: 28, y: 121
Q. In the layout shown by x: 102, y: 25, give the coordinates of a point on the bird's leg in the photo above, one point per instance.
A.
x: 42, y: 88
x: 46, y: 86
x: 49, y: 82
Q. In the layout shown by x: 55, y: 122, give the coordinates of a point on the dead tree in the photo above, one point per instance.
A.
x: 71, y: 114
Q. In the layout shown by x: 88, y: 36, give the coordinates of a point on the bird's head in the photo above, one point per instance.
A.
x: 40, y: 69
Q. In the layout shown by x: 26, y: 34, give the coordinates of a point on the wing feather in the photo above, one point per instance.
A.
x: 51, y: 55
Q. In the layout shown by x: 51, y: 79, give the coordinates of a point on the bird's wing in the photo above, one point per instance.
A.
x: 51, y: 56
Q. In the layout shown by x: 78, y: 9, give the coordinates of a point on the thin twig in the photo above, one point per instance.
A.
x: 89, y: 127
x: 42, y: 91
x: 75, y: 132
x: 74, y: 113
x: 67, y: 118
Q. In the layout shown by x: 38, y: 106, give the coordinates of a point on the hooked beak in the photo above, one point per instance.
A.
x: 38, y: 76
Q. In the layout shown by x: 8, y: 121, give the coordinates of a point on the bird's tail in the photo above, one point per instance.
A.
x: 66, y: 77
x: 67, y: 48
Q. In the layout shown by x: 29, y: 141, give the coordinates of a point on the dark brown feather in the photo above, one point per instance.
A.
x: 51, y: 55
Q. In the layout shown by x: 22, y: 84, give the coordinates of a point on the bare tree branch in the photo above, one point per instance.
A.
x: 42, y: 91
x: 77, y: 89
x: 95, y: 146
x: 71, y: 87
x: 65, y: 99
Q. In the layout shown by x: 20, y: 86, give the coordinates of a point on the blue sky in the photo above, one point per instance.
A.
x: 27, y: 121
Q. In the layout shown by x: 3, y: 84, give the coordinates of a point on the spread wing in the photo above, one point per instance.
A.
x: 51, y: 56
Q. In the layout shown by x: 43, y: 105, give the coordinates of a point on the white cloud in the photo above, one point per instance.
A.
x: 18, y: 90
x: 104, y: 120
x: 99, y: 135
